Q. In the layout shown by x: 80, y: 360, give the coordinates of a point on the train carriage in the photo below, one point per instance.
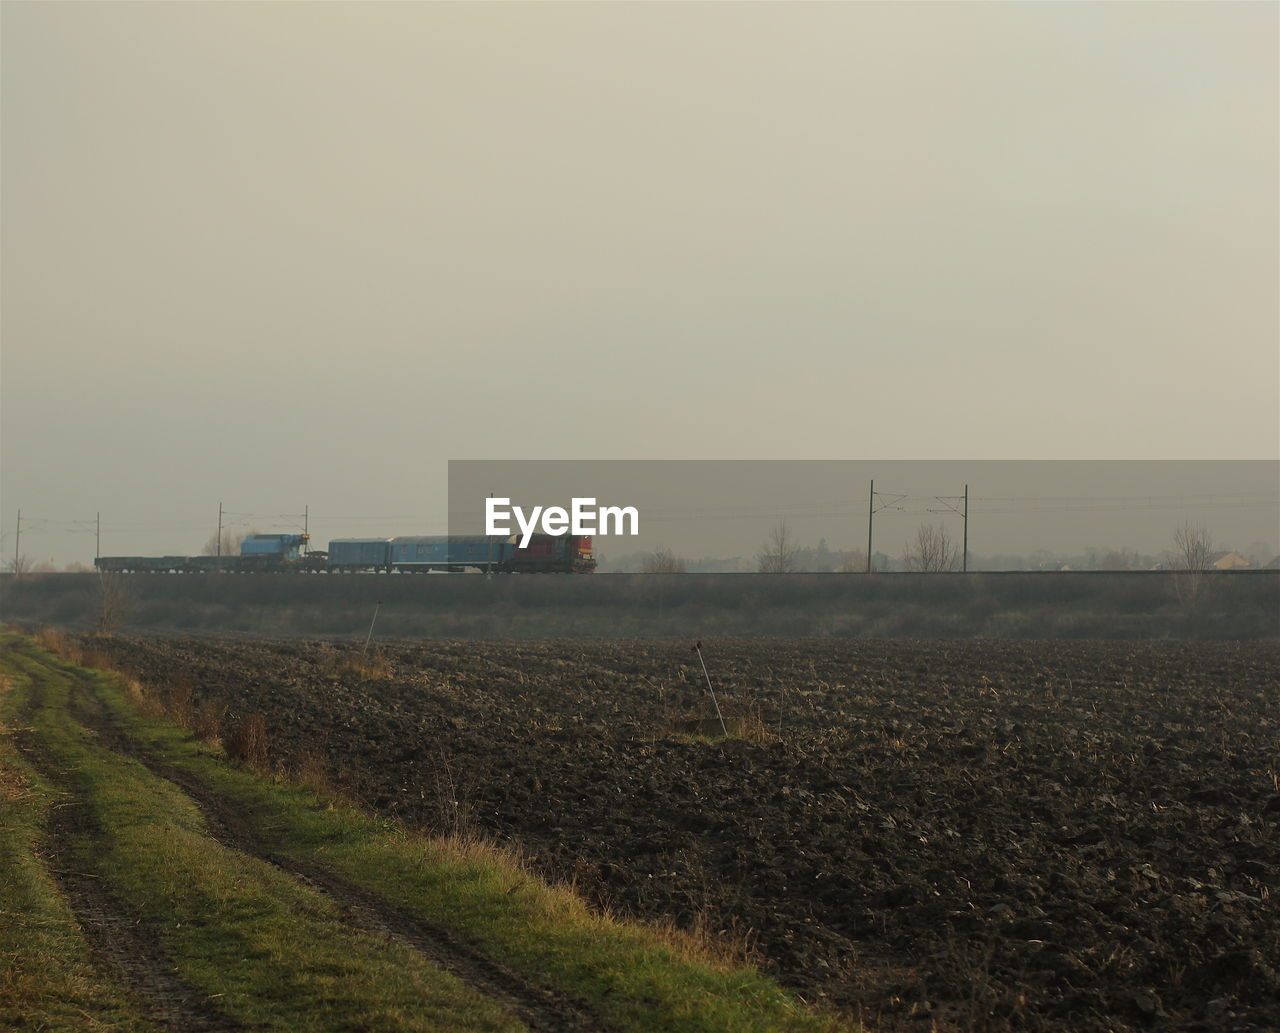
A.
x: 350, y: 555
x: 424, y: 553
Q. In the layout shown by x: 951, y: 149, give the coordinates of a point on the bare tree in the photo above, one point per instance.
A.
x: 114, y: 597
x: 1192, y: 547
x: 230, y: 543
x: 933, y: 550
x: 779, y: 553
x: 1192, y: 554
x: 20, y: 565
x: 663, y: 561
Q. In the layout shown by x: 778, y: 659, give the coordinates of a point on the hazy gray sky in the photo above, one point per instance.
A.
x: 303, y: 254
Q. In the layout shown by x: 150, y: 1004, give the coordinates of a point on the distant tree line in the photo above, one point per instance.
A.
x: 934, y: 549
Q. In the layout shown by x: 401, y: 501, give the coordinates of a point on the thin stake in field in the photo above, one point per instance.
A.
x: 365, y: 651
x: 697, y: 648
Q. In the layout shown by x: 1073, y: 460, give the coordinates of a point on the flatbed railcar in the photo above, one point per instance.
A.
x: 259, y: 554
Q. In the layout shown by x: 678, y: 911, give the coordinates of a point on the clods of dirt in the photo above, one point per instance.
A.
x: 983, y: 835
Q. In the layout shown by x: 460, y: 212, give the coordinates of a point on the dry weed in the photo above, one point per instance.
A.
x: 51, y: 641
x: 246, y: 741
x: 13, y: 785
x: 753, y: 727
x: 371, y: 667
x: 312, y: 772
x: 206, y: 721
x: 178, y: 704
x: 140, y: 696
x: 707, y: 942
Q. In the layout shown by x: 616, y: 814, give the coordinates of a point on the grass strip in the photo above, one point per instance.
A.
x: 47, y: 979
x: 273, y: 953
x: 634, y: 976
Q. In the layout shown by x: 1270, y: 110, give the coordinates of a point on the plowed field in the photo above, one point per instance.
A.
x: 967, y: 835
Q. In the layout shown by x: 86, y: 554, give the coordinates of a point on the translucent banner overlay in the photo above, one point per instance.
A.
x: 729, y: 515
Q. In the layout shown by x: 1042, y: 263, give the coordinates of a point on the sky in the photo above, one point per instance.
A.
x: 299, y: 256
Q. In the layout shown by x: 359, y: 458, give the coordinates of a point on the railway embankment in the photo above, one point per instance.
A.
x: 1003, y: 605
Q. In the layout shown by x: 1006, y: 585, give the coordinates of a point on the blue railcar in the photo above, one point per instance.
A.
x: 422, y: 553
x: 356, y: 554
x: 281, y: 546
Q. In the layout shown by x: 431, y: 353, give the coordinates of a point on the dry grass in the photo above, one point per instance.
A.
x: 140, y: 697
x: 55, y: 642
x: 371, y: 667
x: 13, y: 784
x: 705, y: 943
x: 749, y: 726
x: 753, y: 727
x: 312, y: 773
x: 246, y: 741
x: 80, y: 653
x: 206, y: 721
x: 177, y: 698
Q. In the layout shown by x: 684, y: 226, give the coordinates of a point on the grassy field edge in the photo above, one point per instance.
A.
x: 223, y: 940
x: 45, y: 967
x: 636, y: 977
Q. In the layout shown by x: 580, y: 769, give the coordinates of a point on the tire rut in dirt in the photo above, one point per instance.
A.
x: 540, y: 1009
x: 120, y: 944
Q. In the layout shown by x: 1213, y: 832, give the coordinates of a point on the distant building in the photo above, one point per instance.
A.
x: 1229, y: 561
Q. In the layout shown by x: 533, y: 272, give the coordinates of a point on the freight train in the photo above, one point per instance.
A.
x: 411, y: 554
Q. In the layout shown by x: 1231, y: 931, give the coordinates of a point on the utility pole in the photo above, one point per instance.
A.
x: 219, y: 545
x: 871, y: 513
x: 97, y: 536
x: 17, y: 540
x: 891, y: 502
x: 306, y: 534
x: 964, y: 563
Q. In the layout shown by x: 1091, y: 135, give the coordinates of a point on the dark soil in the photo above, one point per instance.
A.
x: 977, y: 835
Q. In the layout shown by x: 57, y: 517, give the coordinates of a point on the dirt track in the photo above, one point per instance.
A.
x: 127, y: 947
x: 988, y: 835
x: 121, y: 944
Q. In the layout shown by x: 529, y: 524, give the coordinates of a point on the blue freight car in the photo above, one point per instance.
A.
x: 422, y: 553
x: 356, y: 554
x: 280, y: 546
